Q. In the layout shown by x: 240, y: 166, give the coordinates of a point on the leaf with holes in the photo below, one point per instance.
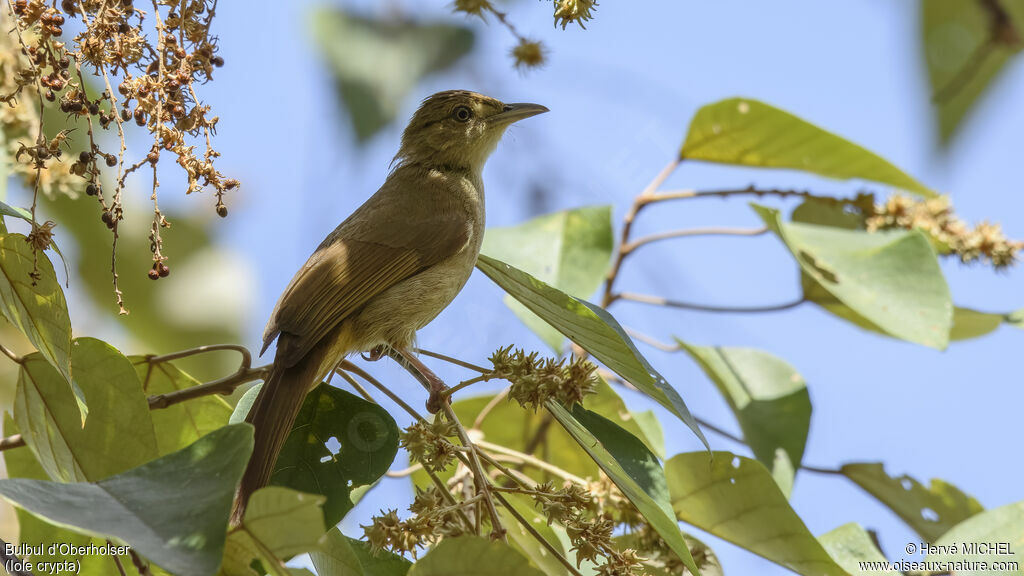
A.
x: 892, y: 278
x: 570, y: 250
x: 473, y: 556
x: 182, y: 530
x: 769, y: 399
x: 631, y: 466
x: 369, y: 441
x: 278, y: 524
x: 594, y: 330
x: 180, y: 424
x: 930, y: 510
x: 736, y: 499
x: 751, y: 133
x: 118, y: 434
x: 851, y: 547
x: 37, y: 308
x: 344, y: 556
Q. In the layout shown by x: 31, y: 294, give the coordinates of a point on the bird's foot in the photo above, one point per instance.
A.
x: 375, y: 354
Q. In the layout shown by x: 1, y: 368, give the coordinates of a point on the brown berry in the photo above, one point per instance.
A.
x: 222, y: 211
x: 84, y: 157
x: 163, y: 270
x: 50, y: 95
x: 123, y: 27
x: 92, y: 190
x: 153, y: 274
x: 126, y: 114
x: 111, y: 160
x: 94, y: 108
x: 217, y: 61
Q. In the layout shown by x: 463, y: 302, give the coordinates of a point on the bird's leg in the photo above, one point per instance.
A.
x: 408, y: 360
x: 375, y: 354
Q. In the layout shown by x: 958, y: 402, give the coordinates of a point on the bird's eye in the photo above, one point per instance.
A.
x: 462, y: 114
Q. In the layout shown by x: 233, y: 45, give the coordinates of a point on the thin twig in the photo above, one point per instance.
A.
x: 451, y: 360
x: 246, y: 355
x: 482, y: 482
x: 652, y: 341
x: 12, y: 441
x: 348, y: 366
x: 448, y: 393
x: 486, y: 411
x: 531, y: 460
x: 537, y: 536
x: 352, y: 382
x: 405, y: 471
x: 223, y: 386
x: 659, y: 301
x: 630, y: 247
x: 10, y: 354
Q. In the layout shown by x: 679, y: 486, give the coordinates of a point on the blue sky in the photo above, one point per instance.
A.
x: 621, y: 94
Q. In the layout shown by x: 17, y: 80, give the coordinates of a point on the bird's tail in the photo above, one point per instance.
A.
x: 272, y: 415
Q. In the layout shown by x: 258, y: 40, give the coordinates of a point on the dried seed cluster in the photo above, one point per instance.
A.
x: 934, y: 216
x: 428, y: 444
x: 536, y: 380
x: 125, y: 64
x: 432, y: 520
x: 569, y: 11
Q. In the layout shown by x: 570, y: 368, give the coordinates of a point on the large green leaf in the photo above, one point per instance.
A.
x: 173, y: 510
x: 278, y: 523
x: 930, y: 510
x: 851, y: 547
x: 473, y: 556
x: 892, y: 278
x: 118, y: 434
x: 737, y: 499
x: 644, y: 425
x: 751, y: 133
x: 39, y: 310
x: 569, y: 250
x: 769, y: 399
x: 369, y: 442
x: 180, y: 424
x: 632, y: 467
x: 594, y: 330
x: 34, y: 531
x: 344, y: 556
x: 523, y: 541
x: 962, y: 57
x: 993, y: 539
x: 375, y: 62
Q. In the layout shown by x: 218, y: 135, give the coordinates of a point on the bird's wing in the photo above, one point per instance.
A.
x: 357, y: 262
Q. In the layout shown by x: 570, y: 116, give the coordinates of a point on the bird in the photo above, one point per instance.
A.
x: 387, y: 270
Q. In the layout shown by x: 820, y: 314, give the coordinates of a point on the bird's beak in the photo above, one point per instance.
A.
x: 516, y: 112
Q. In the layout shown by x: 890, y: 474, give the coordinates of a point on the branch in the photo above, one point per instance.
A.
x: 537, y: 536
x: 451, y: 360
x: 630, y: 247
x: 10, y: 354
x: 659, y: 301
x: 222, y: 386
x: 347, y: 366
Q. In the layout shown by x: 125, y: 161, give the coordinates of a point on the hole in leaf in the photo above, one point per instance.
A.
x: 736, y: 462
x: 333, y: 446
x: 929, y: 515
x: 732, y: 481
x: 906, y: 484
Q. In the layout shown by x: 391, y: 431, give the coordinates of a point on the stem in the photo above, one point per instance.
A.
x: 451, y: 360
x: 498, y: 398
x: 537, y: 536
x: 448, y: 393
x: 10, y: 354
x: 480, y: 479
x: 13, y: 441
x: 358, y: 387
x: 532, y: 461
x: 748, y: 191
x: 348, y: 366
x: 511, y: 474
x: 628, y: 248
x: 246, y: 355
x: 660, y: 301
x: 223, y: 386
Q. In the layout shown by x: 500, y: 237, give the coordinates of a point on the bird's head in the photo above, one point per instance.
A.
x: 459, y: 129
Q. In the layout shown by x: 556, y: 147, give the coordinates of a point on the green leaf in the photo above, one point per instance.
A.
x: 593, y: 329
x: 38, y: 311
x: 344, y: 556
x: 473, y: 556
x: 644, y: 425
x: 118, y: 434
x: 851, y: 546
x: 35, y: 532
x: 751, y: 133
x: 244, y: 404
x: 15, y: 211
x: 892, y: 278
x: 736, y: 499
x: 570, y: 250
x: 182, y: 530
x: 968, y: 323
x: 930, y: 510
x: 993, y: 536
x: 375, y: 63
x: 961, y: 58
x: 369, y: 442
x: 632, y: 467
x: 769, y: 399
x: 180, y: 424
x: 278, y: 523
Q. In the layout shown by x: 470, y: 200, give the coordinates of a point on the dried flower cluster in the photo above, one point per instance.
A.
x: 155, y: 75
x: 529, y: 53
x: 432, y: 520
x: 536, y: 380
x: 428, y: 444
x: 935, y: 217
